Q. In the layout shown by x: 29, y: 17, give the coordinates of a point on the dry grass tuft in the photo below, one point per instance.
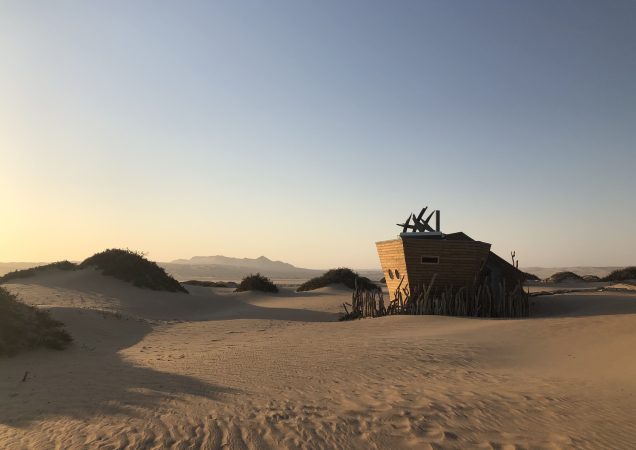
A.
x: 256, y: 282
x: 23, y: 327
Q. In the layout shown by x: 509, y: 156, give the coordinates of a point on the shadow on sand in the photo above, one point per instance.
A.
x: 105, y: 316
x: 91, y: 377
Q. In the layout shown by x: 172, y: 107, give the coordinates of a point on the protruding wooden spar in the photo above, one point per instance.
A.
x: 421, y: 214
x: 406, y: 225
x: 427, y: 219
x: 420, y: 224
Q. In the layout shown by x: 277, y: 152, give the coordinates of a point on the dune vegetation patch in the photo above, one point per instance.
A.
x: 32, y: 271
x: 24, y: 327
x: 591, y: 278
x: 341, y: 275
x: 133, y: 267
x: 256, y: 282
x: 628, y: 273
x: 202, y: 283
x: 560, y: 277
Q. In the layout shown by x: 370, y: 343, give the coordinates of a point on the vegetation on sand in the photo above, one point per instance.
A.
x: 560, y: 277
x: 341, y: 275
x: 134, y: 268
x: 221, y: 284
x: 591, y: 278
x: 256, y: 282
x: 628, y: 273
x: 24, y: 273
x: 23, y: 327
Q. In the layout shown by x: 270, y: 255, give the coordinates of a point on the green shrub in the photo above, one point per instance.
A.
x: 256, y: 282
x: 23, y: 327
x: 628, y: 273
x: 134, y: 268
x: 341, y: 275
x: 32, y: 271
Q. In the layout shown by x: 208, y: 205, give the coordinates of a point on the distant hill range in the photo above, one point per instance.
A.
x: 546, y: 272
x: 233, y: 269
x: 218, y: 260
x: 224, y: 268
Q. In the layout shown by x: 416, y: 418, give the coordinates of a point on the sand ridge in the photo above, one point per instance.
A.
x: 215, y: 369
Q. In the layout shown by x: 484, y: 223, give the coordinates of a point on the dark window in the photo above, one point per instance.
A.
x: 397, y: 274
x: 430, y: 259
x: 391, y: 274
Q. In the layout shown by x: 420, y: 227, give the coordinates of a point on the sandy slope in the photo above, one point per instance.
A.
x: 221, y: 370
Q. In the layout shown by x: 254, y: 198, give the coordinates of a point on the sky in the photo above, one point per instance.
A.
x: 304, y: 131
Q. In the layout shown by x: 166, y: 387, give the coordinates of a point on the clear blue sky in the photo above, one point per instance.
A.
x: 305, y: 130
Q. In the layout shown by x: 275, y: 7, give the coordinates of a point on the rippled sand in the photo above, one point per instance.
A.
x: 221, y: 370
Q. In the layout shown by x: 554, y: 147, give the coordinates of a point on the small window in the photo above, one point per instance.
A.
x: 391, y: 274
x: 397, y: 274
x: 430, y: 259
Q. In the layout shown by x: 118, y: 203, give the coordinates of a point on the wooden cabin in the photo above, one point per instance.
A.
x: 456, y: 260
x: 410, y: 261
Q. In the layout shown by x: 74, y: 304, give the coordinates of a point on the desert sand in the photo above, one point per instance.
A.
x: 216, y: 369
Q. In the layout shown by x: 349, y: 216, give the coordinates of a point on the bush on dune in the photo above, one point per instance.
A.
x: 341, y: 275
x: 23, y: 327
x: 591, y: 278
x: 32, y: 271
x: 134, y: 268
x: 256, y: 282
x: 560, y: 277
x: 221, y: 284
x: 628, y: 273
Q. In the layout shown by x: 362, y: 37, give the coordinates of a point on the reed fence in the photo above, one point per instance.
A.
x: 479, y: 300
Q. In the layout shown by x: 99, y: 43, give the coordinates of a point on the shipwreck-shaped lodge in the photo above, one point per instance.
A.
x: 422, y: 255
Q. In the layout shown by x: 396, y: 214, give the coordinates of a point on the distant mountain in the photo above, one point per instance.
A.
x: 261, y: 262
x: 232, y: 269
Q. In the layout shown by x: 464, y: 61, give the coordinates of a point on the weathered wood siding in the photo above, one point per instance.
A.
x: 391, y: 258
x: 459, y: 261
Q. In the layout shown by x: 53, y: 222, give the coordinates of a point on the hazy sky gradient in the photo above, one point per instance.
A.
x: 304, y: 131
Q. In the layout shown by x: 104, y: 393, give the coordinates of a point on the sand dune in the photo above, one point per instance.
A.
x: 6, y: 267
x: 215, y: 369
x: 545, y: 272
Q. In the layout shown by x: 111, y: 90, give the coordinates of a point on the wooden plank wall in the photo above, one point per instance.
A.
x: 459, y: 261
x: 392, y: 257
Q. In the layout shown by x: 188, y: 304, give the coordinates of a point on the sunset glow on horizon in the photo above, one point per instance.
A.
x: 305, y: 131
